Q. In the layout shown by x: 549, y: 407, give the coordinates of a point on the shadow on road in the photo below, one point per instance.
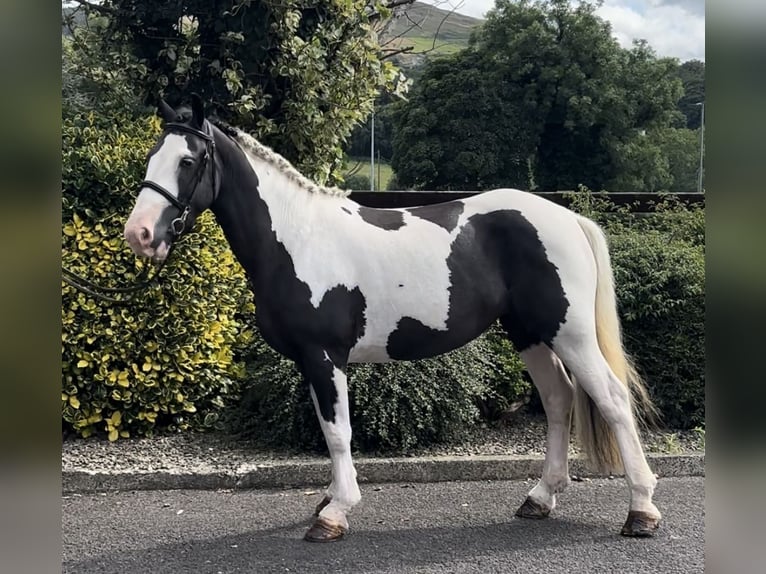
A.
x: 281, y: 549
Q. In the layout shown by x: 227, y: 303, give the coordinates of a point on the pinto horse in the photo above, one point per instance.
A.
x: 336, y: 282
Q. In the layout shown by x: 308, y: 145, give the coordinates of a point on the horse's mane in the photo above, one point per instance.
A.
x: 252, y: 146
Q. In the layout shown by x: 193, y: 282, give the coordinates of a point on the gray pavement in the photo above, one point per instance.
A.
x: 402, y: 528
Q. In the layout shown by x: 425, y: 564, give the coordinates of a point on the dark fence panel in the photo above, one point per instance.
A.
x: 641, y: 202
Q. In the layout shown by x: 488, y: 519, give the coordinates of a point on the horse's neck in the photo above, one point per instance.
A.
x: 256, y: 204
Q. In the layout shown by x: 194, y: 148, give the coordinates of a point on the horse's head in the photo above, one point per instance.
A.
x: 181, y: 182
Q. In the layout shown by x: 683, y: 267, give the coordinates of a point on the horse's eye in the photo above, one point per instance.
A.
x: 187, y: 161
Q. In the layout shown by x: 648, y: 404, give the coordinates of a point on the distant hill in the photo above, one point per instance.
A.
x: 421, y: 25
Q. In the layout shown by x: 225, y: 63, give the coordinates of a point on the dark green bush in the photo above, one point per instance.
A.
x: 167, y: 360
x: 356, y: 182
x: 394, y: 406
x: 659, y: 268
x: 661, y: 292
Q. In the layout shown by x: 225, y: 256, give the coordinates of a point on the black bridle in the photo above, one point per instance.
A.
x: 177, y: 225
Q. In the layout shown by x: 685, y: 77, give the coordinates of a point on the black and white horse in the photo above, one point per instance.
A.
x: 335, y: 282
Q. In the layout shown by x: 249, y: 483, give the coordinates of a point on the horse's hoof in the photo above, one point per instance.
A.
x: 325, y: 501
x: 532, y: 509
x: 324, y: 530
x: 640, y: 524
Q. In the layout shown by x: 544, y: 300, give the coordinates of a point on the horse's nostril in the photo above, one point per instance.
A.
x: 145, y: 234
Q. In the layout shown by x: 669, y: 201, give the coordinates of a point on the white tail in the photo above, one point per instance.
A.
x: 596, y: 438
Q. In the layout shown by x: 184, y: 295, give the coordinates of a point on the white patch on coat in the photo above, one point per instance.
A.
x: 162, y: 169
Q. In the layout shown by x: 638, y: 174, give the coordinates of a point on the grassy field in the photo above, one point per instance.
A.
x: 364, y: 170
x: 422, y: 44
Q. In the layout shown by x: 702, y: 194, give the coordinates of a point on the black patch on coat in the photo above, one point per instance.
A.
x: 388, y: 219
x: 444, y: 215
x: 285, y: 316
x: 498, y: 269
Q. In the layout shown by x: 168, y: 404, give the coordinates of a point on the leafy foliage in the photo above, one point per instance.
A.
x: 298, y: 75
x: 169, y: 359
x: 692, y: 74
x: 665, y: 159
x: 662, y: 301
x: 543, y: 97
x: 356, y: 181
x: 359, y: 142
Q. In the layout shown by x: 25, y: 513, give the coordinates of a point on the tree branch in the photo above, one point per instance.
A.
x: 394, y: 3
x: 392, y: 53
x: 447, y: 15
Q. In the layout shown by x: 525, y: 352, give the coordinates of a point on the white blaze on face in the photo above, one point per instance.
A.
x: 163, y: 170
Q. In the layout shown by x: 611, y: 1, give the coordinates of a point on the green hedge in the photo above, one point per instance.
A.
x: 661, y: 289
x: 659, y: 267
x: 394, y: 406
x: 169, y: 359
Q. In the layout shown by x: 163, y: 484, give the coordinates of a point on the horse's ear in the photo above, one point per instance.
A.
x: 166, y: 112
x: 198, y: 111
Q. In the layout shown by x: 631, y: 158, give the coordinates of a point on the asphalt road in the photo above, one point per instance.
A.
x: 457, y: 527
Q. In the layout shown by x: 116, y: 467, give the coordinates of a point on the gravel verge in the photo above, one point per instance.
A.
x: 217, y: 460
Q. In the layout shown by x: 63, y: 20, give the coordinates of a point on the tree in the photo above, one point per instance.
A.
x: 441, y: 142
x: 664, y: 159
x: 297, y: 74
x: 692, y: 75
x: 681, y: 147
x: 543, y: 97
x: 358, y: 144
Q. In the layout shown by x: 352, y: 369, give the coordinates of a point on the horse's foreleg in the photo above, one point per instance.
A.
x: 556, y: 393
x: 329, y: 392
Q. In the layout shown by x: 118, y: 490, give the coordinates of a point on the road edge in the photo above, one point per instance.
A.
x: 296, y: 474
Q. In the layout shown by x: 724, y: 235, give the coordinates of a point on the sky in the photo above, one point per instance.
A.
x: 674, y: 28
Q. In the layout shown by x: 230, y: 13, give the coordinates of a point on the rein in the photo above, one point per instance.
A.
x: 177, y: 227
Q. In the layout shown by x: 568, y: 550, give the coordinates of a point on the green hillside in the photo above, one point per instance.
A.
x: 422, y: 24
x: 452, y: 27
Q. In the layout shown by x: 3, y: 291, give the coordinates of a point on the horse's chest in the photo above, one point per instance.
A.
x: 292, y: 325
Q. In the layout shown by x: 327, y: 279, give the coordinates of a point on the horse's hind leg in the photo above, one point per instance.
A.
x: 556, y: 393
x: 581, y: 354
x: 329, y: 391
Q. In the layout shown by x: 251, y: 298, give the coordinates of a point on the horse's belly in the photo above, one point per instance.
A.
x: 410, y: 339
x: 369, y: 354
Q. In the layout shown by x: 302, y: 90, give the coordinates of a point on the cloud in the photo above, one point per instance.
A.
x: 696, y: 7
x: 668, y: 25
x: 674, y: 28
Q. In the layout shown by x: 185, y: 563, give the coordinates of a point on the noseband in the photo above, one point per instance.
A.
x: 178, y: 225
